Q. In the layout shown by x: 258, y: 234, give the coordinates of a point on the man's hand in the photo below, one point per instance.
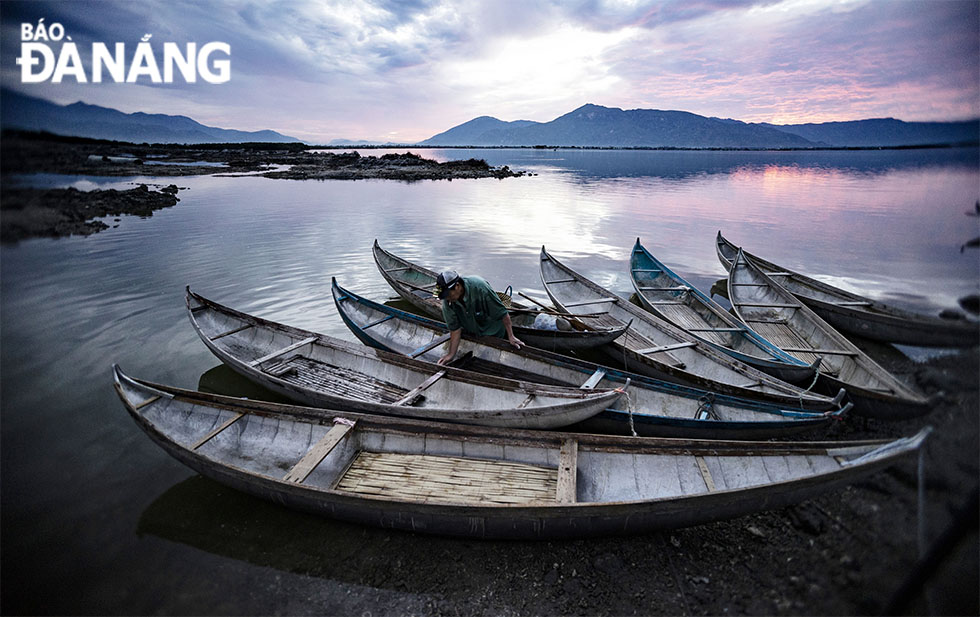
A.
x: 516, y: 342
x: 446, y: 358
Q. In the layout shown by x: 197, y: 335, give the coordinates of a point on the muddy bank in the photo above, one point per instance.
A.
x: 32, y: 213
x: 31, y: 153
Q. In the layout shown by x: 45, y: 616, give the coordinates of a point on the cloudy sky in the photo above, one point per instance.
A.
x: 405, y: 70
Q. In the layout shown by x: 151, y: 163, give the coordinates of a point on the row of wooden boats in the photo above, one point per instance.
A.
x: 388, y: 436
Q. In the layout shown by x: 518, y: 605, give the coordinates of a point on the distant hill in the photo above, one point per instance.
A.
x: 82, y: 120
x: 885, y: 132
x: 597, y: 126
x: 473, y: 133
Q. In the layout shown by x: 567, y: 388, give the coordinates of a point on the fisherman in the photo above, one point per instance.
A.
x: 469, y: 303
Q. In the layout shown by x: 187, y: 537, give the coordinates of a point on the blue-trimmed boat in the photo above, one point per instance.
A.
x: 668, y: 295
x: 652, y: 407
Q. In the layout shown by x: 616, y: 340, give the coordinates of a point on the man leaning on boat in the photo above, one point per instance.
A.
x: 470, y: 303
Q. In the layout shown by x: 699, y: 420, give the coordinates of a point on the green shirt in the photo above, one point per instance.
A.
x: 478, y: 312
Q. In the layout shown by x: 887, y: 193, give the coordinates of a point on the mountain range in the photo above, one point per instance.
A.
x: 82, y: 120
x: 588, y: 126
x: 597, y: 126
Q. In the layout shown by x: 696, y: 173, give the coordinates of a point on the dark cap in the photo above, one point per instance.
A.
x: 445, y: 282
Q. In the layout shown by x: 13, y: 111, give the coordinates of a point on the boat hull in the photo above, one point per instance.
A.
x: 594, y: 485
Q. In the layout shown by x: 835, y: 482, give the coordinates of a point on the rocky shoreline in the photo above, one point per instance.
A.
x: 52, y: 213
x: 24, y: 153
x: 29, y: 213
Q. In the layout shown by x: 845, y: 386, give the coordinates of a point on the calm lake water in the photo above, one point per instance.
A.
x: 97, y: 519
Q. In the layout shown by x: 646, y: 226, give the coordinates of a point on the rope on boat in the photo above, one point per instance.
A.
x: 816, y: 376
x: 705, y: 406
x: 629, y: 408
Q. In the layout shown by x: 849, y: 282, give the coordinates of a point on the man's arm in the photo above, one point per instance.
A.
x: 509, y: 327
x: 454, y: 337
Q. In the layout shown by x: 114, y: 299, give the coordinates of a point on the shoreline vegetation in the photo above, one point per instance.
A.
x: 31, y: 212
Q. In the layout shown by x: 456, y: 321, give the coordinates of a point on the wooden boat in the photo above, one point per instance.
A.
x: 659, y: 349
x: 854, y: 314
x: 782, y: 318
x: 649, y: 406
x: 415, y: 283
x: 480, y: 482
x: 323, y: 371
x: 667, y: 295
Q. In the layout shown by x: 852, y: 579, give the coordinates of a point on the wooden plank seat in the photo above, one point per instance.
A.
x: 315, y: 455
x: 560, y: 281
x: 663, y: 348
x: 587, y: 302
x: 830, y: 352
x: 428, y: 478
x: 675, y: 288
x: 377, y: 321
x: 283, y: 351
x: 232, y: 331
x: 302, y: 371
x: 768, y: 305
x: 412, y: 395
x: 430, y: 345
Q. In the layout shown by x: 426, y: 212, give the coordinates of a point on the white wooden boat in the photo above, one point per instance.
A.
x: 415, y: 284
x: 854, y: 314
x: 659, y: 349
x: 481, y: 482
x: 649, y: 406
x: 669, y: 296
x: 784, y: 319
x: 323, y: 371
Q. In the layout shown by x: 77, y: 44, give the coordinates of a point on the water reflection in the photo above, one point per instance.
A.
x: 589, y: 165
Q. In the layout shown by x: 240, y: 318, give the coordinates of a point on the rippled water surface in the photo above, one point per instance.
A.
x: 80, y: 482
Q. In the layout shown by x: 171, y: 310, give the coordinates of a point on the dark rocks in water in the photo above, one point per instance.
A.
x: 952, y: 314
x: 407, y: 166
x: 31, y: 212
x: 971, y: 303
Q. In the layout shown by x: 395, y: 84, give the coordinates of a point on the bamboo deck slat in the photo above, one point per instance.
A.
x: 448, y: 479
x: 302, y: 371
